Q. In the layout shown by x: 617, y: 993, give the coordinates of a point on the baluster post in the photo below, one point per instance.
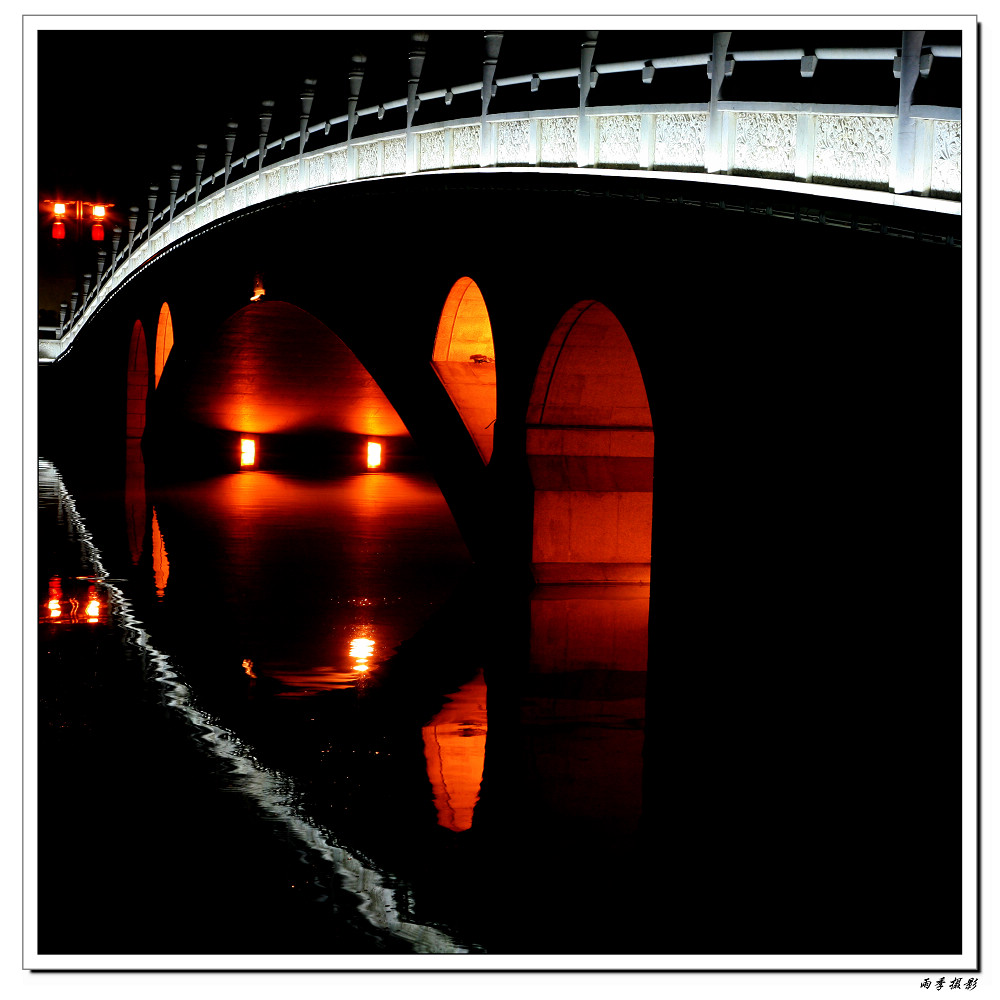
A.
x: 230, y: 144
x: 904, y: 134
x: 175, y: 180
x: 151, y: 208
x: 201, y: 151
x: 102, y: 258
x: 266, y: 111
x: 716, y: 150
x: 492, y: 41
x: 418, y: 52
x: 116, y: 238
x: 133, y: 219
x: 306, y: 103
x: 584, y: 146
x: 354, y: 79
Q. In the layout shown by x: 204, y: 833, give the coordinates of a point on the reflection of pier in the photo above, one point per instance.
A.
x: 583, y: 708
x: 455, y: 748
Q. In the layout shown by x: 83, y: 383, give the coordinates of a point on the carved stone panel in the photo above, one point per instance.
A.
x: 204, y: 213
x: 432, y: 150
x: 368, y: 159
x: 946, y: 170
x: 680, y: 140
x: 239, y: 199
x: 465, y: 146
x: 253, y: 190
x: 338, y: 166
x: 319, y: 170
x: 395, y: 156
x: 273, y: 184
x: 618, y: 140
x: 513, y: 141
x: 855, y: 150
x: 765, y: 144
x: 558, y: 140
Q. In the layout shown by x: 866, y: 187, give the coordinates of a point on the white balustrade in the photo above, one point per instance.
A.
x: 793, y: 146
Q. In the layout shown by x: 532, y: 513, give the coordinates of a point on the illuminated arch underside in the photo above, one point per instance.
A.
x: 272, y: 368
x: 164, y: 341
x: 590, y: 451
x: 464, y: 361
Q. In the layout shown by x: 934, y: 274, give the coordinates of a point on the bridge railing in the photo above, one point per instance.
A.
x: 902, y: 153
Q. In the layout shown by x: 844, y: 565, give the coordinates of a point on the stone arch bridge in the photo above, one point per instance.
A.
x: 530, y: 299
x: 729, y: 366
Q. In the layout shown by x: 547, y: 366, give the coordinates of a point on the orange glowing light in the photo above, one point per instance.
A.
x: 59, y: 209
x: 374, y: 455
x: 361, y: 651
x: 98, y: 211
x: 248, y: 669
x: 54, y: 605
x: 248, y: 451
x: 93, y: 608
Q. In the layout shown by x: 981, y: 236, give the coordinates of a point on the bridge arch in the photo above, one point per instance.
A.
x: 464, y: 359
x: 590, y: 453
x: 136, y: 382
x: 164, y: 342
x: 272, y: 368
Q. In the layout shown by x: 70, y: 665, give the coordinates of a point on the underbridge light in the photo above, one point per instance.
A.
x: 248, y: 452
x: 374, y: 455
x: 60, y: 209
x: 99, y: 211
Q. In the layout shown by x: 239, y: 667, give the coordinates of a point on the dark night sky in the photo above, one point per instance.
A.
x: 105, y: 140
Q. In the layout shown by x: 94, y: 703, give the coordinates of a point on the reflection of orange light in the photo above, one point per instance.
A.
x: 374, y: 454
x: 248, y: 451
x: 248, y: 669
x: 54, y: 610
x: 93, y: 606
x: 361, y: 650
x: 455, y: 749
x: 161, y: 565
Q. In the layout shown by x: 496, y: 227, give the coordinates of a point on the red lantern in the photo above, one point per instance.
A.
x: 97, y: 231
x: 58, y: 230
